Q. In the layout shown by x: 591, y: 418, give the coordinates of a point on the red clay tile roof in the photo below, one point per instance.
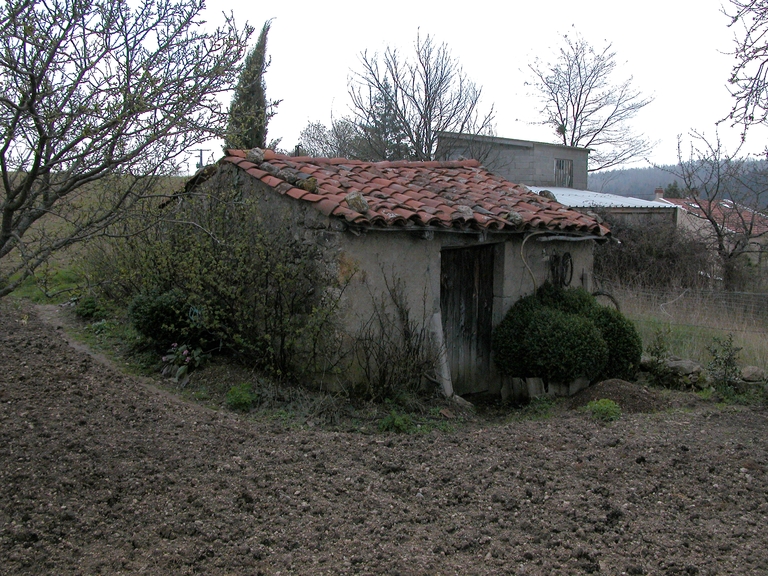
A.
x: 452, y: 195
x: 731, y: 216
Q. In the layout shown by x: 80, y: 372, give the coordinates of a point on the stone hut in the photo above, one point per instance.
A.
x: 463, y: 243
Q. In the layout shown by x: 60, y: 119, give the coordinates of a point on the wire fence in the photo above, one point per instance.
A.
x: 727, y: 311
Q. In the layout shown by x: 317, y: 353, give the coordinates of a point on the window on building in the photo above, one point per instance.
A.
x: 563, y: 173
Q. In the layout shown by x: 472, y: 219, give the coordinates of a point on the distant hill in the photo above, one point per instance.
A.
x: 641, y: 182
x: 635, y: 182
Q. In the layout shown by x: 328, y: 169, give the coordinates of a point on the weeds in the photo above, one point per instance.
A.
x: 723, y: 367
x: 659, y: 354
x: 539, y: 408
x: 393, y: 349
x: 692, y: 319
x: 241, y: 398
x: 394, y: 422
x: 604, y: 410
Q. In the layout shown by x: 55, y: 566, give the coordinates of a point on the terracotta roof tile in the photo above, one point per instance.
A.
x: 327, y: 206
x: 297, y: 193
x: 271, y: 180
x: 456, y: 194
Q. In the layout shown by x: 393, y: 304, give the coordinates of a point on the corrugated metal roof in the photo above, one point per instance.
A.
x: 588, y: 199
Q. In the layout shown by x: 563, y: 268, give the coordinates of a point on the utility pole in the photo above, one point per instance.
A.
x: 200, y: 163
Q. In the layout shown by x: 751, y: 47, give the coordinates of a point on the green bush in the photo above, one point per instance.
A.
x: 394, y: 422
x: 88, y: 308
x: 535, y: 341
x: 561, y: 347
x: 625, y: 347
x: 560, y: 335
x: 163, y: 317
x: 241, y: 397
x: 604, y: 410
x: 241, y: 285
x: 510, y: 348
x: 570, y: 300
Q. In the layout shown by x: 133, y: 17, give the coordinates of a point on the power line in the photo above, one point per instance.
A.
x: 200, y: 150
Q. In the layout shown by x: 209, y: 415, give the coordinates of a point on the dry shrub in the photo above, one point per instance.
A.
x: 658, y: 256
x: 255, y: 291
x: 394, y: 350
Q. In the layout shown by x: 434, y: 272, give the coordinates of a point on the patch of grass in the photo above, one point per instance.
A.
x: 539, y: 408
x: 54, y: 286
x: 116, y: 340
x: 281, y: 415
x: 398, y: 423
x: 604, y: 410
x: 241, y: 397
x: 693, y: 323
x: 752, y: 396
x: 446, y: 427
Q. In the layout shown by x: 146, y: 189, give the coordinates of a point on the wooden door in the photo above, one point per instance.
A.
x: 466, y: 302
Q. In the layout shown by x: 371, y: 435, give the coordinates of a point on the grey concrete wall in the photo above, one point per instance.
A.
x: 637, y: 217
x: 381, y: 259
x: 523, y: 161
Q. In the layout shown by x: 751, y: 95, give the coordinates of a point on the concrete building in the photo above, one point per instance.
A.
x: 521, y: 161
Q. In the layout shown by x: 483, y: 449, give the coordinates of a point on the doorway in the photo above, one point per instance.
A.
x: 466, y: 304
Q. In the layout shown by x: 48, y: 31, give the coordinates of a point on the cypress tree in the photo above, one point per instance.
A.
x: 250, y: 111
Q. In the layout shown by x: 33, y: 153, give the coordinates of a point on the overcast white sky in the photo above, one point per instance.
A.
x: 676, y: 50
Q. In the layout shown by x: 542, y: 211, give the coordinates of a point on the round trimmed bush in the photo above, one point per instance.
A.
x: 625, y: 347
x: 537, y: 341
x: 509, y: 349
x: 570, y: 300
x: 562, y: 334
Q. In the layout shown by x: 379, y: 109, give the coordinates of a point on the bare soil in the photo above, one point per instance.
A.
x: 103, y: 473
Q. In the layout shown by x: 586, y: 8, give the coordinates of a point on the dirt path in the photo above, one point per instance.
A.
x: 100, y: 474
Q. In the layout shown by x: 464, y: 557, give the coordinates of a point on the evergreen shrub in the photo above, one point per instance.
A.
x: 560, y: 347
x: 161, y: 316
x: 560, y: 335
x: 571, y: 300
x: 625, y: 347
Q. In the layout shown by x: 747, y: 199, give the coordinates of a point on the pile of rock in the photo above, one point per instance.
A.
x: 690, y: 375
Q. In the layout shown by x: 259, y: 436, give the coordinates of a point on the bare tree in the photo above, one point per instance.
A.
x: 400, y: 106
x: 725, y: 194
x: 749, y: 76
x: 341, y: 140
x: 586, y: 107
x: 98, y: 100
